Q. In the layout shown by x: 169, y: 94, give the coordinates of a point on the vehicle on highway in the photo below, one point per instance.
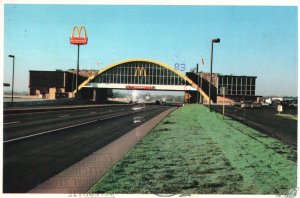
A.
x: 265, y: 104
x: 138, y: 119
x: 147, y: 98
x: 256, y: 105
x: 157, y: 102
x: 251, y: 104
x: 138, y: 107
x: 237, y: 103
x: 246, y: 104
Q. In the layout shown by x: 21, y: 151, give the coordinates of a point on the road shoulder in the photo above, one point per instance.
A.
x: 85, y: 173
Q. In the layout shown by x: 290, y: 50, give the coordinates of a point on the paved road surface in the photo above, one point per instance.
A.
x: 41, y: 144
x: 266, y: 121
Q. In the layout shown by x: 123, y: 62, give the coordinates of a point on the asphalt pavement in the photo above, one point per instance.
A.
x: 265, y: 120
x: 38, y: 145
x: 28, y: 123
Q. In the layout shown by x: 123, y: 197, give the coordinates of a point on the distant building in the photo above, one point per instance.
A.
x: 56, y: 84
x: 61, y: 84
x: 237, y: 88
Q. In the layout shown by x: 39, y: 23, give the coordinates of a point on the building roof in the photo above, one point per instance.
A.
x: 230, y: 75
x: 84, y: 72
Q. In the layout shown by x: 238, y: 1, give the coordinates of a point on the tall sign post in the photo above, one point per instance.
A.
x: 77, y: 39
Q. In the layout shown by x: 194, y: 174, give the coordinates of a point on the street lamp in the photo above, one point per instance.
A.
x: 217, y: 40
x: 198, y: 83
x: 13, y: 76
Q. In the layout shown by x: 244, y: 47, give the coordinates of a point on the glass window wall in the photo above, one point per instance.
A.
x: 139, y: 72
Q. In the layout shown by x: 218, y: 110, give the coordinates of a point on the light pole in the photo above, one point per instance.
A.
x: 217, y: 40
x: 200, y: 102
x: 13, y: 76
x: 198, y: 83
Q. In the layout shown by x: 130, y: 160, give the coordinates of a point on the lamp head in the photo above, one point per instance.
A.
x: 217, y: 40
x: 11, y: 56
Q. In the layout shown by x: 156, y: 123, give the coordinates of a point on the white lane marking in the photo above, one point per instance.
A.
x: 63, y: 109
x: 93, y: 112
x: 11, y: 122
x: 62, y: 116
x: 50, y: 131
x: 71, y: 126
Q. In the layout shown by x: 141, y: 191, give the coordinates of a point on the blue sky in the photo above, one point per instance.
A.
x: 255, y: 40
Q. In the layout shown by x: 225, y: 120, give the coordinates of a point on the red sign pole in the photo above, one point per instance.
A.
x: 77, y: 72
x: 78, y: 40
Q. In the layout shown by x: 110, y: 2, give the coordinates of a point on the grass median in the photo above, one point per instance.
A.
x: 196, y: 151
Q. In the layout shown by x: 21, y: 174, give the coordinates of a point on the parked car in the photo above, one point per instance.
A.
x: 295, y: 104
x: 287, y: 104
x: 275, y: 103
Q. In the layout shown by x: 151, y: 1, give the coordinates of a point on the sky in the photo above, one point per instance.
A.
x: 257, y: 41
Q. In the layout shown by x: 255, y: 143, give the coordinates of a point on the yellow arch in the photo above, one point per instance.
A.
x: 149, y: 61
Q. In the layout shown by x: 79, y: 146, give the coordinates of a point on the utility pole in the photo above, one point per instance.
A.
x: 13, y: 79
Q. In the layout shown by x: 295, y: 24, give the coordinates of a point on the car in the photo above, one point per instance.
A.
x: 138, y: 119
x: 275, y: 103
x: 265, y: 104
x: 294, y: 104
x: 245, y: 104
x: 288, y: 104
x: 256, y: 105
x: 237, y: 104
x: 138, y: 107
x: 157, y: 102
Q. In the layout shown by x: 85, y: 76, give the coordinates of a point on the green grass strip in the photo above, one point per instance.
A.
x: 288, y: 116
x: 194, y: 150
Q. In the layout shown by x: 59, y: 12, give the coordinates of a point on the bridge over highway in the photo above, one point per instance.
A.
x: 138, y: 74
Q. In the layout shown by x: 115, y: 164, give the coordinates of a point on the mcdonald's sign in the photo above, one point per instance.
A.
x: 139, y: 71
x: 139, y: 87
x: 77, y: 39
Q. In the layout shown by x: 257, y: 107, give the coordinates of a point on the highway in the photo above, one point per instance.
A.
x: 266, y: 121
x: 38, y: 145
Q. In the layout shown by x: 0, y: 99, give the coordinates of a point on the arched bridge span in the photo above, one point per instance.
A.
x: 141, y: 74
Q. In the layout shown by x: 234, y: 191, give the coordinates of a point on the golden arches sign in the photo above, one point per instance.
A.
x: 139, y: 71
x: 77, y: 39
x: 149, y: 61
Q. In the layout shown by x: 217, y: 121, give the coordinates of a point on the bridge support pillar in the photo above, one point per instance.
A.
x: 100, y: 95
x: 84, y: 93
